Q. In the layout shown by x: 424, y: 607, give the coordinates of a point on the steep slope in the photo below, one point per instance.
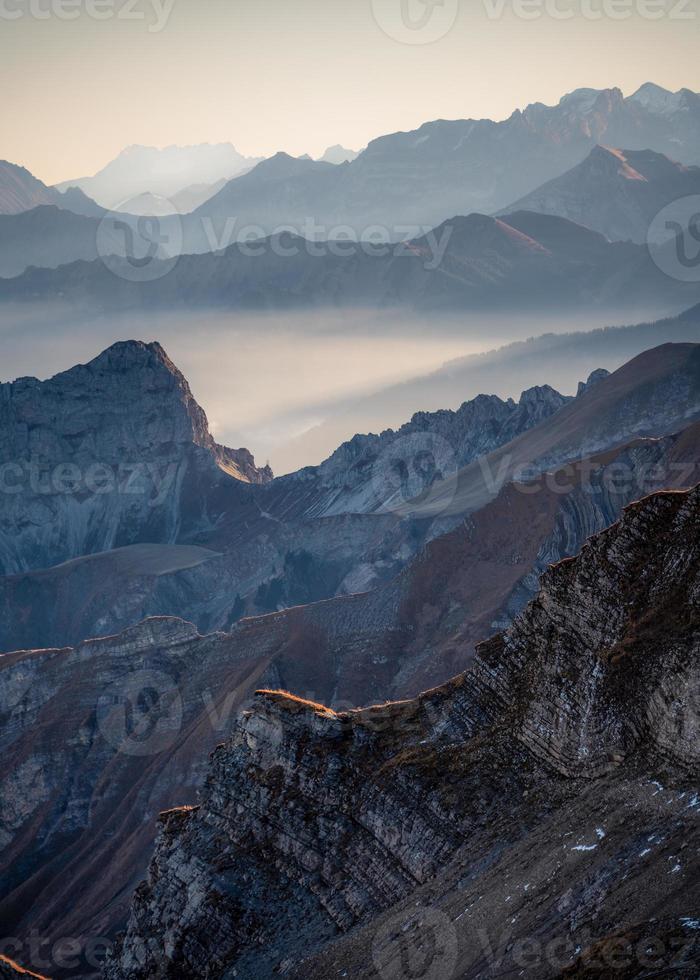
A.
x: 22, y: 191
x: 615, y: 192
x: 545, y: 794
x: 108, y: 453
x: 194, y: 195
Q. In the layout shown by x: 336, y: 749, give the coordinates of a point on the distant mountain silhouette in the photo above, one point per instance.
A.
x: 616, y: 192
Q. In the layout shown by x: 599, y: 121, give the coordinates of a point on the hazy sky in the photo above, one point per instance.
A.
x: 299, y: 75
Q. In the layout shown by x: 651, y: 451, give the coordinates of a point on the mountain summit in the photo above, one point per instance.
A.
x: 111, y: 452
x: 615, y: 192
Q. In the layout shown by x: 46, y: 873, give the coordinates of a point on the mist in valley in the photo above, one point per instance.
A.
x: 292, y: 386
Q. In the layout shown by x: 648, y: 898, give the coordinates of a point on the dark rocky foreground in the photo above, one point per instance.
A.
x: 535, y: 815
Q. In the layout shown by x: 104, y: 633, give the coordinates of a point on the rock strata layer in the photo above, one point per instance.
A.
x: 547, y: 794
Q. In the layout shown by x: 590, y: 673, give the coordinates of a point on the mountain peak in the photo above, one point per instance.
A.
x: 283, y: 164
x: 600, y: 374
x: 659, y: 100
x: 584, y: 100
x: 338, y: 154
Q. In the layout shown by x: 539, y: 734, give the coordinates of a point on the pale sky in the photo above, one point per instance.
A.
x: 299, y: 75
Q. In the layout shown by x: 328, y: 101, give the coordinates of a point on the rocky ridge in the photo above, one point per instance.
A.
x: 615, y: 192
x: 566, y: 729
x: 369, y: 472
x: 419, y: 629
x: 390, y: 642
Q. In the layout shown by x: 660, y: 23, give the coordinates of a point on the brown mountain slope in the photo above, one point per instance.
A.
x: 502, y: 823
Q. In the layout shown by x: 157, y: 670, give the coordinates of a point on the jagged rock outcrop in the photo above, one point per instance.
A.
x: 547, y: 794
x: 109, y: 453
x: 593, y: 378
x: 370, y: 472
x: 656, y: 393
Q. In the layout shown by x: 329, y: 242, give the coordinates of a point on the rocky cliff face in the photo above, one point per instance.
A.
x: 106, y: 454
x: 546, y: 794
x: 391, y: 642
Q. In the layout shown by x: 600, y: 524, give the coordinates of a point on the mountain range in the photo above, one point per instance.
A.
x: 224, y: 540
x: 567, y: 357
x: 429, y: 707
x: 447, y: 168
x: 398, y: 188
x: 523, y: 261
